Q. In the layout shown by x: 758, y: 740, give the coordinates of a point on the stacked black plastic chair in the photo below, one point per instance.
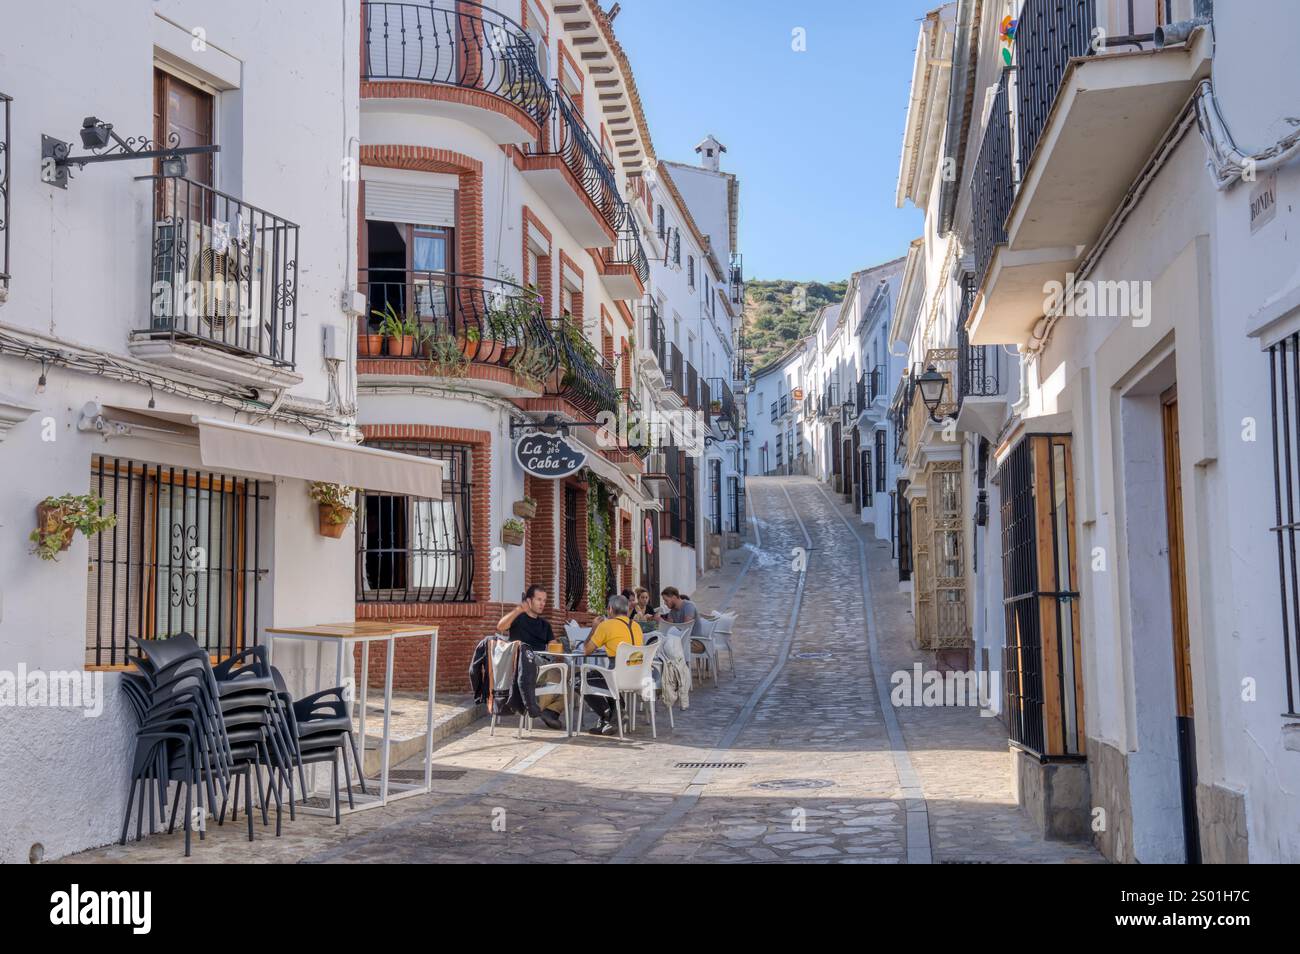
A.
x: 181, y: 736
x: 320, y: 729
x: 202, y: 727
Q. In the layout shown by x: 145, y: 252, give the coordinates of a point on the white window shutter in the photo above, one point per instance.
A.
x: 408, y: 202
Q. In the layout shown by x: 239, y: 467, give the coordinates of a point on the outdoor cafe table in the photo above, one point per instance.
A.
x: 343, y: 636
x: 574, y: 661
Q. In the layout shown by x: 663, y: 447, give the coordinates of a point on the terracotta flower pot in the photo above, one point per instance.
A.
x: 402, y: 347
x: 50, y: 520
x: 369, y: 345
x: 330, y: 524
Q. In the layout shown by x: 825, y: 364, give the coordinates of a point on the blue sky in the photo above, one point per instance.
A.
x: 814, y: 136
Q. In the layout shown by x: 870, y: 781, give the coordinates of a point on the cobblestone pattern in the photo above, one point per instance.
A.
x: 818, y: 784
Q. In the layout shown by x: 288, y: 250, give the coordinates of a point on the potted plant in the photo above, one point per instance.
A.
x: 445, y: 357
x: 715, y: 407
x: 336, y: 505
x: 624, y: 556
x: 512, y: 532
x: 58, y: 518
x: 526, y: 508
x: 369, y: 343
x: 400, y: 332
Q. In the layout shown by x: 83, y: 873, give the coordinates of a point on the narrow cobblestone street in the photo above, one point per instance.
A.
x: 817, y: 769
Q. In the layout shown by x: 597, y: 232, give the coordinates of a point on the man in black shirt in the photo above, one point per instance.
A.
x: 526, y: 624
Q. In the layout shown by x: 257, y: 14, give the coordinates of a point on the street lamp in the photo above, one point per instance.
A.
x: 932, y: 385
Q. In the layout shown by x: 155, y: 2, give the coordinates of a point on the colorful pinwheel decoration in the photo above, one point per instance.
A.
x: 1008, y: 33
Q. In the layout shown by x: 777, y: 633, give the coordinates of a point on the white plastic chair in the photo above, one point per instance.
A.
x: 577, y: 634
x: 709, y: 653
x: 669, y: 648
x: 560, y: 688
x: 632, y: 673
x: 722, y: 638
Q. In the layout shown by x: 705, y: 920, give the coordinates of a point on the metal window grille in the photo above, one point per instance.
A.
x: 5, y: 102
x: 715, y: 496
x: 1029, y: 501
x: 992, y: 182
x: 1049, y: 34
x: 412, y: 549
x: 904, y: 524
x: 881, y: 437
x: 183, y: 557
x: 1284, y: 375
x: 689, y: 503
x: 867, y: 476
x: 737, y: 504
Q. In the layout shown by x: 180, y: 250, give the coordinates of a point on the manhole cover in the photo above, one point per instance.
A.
x: 787, y: 784
x: 710, y: 765
x: 812, y: 655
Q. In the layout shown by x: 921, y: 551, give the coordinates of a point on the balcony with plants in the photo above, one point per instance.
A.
x: 490, y: 331
x: 584, y: 379
x: 463, y: 61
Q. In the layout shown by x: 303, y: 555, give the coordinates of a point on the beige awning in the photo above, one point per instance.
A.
x: 243, y: 447
x: 261, y: 450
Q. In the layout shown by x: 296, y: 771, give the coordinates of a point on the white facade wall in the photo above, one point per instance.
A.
x: 80, y: 263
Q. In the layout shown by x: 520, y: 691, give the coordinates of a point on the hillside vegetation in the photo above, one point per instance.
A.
x: 772, y: 320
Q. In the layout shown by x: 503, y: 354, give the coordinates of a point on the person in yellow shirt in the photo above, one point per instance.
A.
x: 616, y: 630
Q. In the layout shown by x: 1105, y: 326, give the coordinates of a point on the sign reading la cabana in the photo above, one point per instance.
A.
x: 548, y: 455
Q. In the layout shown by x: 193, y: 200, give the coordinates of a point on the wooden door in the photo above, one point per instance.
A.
x: 1184, y: 707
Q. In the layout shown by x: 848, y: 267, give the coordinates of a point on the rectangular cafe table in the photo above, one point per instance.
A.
x: 342, y: 636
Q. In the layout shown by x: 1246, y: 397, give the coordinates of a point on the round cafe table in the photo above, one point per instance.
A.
x: 574, y: 659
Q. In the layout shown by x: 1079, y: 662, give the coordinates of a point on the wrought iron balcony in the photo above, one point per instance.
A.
x: 566, y: 135
x: 675, y: 372
x: 979, y: 367
x: 1048, y: 34
x: 464, y: 45
x: 628, y: 253
x: 586, y: 380
x: 691, y: 392
x: 4, y: 191
x: 223, y: 273
x: 656, y: 343
x: 721, y: 396
x: 993, y: 182
x: 446, y: 321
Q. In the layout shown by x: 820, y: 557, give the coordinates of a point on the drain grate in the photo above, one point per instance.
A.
x: 710, y: 765
x: 786, y: 784
x: 811, y: 655
x: 417, y: 775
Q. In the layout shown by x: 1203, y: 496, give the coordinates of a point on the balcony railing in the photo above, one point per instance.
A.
x: 720, y: 393
x: 453, y: 318
x: 656, y: 343
x: 992, y: 184
x: 1049, y: 33
x: 4, y: 190
x: 586, y: 380
x: 464, y: 44
x: 691, y: 393
x: 628, y: 249
x: 567, y: 135
x: 675, y: 372
x: 978, y: 366
x: 223, y: 273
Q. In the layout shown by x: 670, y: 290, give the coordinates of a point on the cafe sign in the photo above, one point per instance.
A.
x: 548, y: 455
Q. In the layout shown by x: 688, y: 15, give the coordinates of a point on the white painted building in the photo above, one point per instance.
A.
x: 1120, y: 502
x: 188, y: 417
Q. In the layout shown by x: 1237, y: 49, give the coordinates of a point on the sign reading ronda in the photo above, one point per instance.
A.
x: 548, y: 455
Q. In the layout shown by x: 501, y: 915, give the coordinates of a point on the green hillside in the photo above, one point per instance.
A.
x: 772, y: 322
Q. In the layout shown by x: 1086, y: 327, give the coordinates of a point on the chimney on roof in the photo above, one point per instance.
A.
x: 710, y: 152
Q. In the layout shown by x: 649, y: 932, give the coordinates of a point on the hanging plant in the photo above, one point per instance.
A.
x: 58, y: 518
x: 336, y: 505
x: 598, y: 543
x: 512, y: 532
